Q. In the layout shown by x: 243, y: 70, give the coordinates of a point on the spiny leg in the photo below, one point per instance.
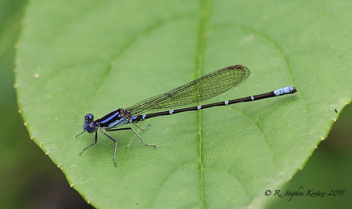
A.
x: 142, y: 129
x: 95, y: 142
x: 113, y: 141
x: 135, y: 132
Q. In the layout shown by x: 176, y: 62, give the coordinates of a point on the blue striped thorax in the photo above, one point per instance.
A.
x: 113, y: 119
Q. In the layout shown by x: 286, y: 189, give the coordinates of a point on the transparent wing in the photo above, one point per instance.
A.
x: 201, y: 89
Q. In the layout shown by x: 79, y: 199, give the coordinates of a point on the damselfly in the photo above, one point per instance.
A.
x: 201, y: 89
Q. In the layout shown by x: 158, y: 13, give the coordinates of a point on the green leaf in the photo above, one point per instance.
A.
x: 93, y: 57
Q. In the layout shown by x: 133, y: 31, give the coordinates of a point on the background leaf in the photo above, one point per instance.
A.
x: 79, y: 57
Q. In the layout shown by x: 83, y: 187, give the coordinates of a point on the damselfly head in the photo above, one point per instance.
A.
x: 89, y: 118
x: 89, y: 124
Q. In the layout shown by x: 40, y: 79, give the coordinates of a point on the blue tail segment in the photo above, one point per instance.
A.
x: 285, y: 90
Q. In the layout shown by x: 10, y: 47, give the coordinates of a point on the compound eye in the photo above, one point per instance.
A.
x: 89, y: 118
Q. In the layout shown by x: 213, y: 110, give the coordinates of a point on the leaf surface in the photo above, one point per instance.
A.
x: 93, y: 57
